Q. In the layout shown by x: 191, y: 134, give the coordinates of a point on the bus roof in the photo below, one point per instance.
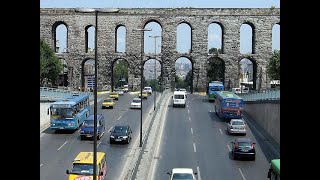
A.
x: 87, y: 157
x: 276, y: 165
x: 215, y: 84
x: 227, y: 94
x: 71, y: 100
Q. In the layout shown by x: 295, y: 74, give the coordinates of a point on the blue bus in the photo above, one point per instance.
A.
x: 213, y: 87
x: 228, y: 105
x: 69, y: 113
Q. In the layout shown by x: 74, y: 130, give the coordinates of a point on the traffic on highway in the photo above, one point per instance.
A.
x: 194, y: 143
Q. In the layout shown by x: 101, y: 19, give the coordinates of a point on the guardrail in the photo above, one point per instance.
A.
x: 268, y: 94
x: 53, y: 94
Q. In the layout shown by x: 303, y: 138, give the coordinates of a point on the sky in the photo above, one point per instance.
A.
x: 183, y: 45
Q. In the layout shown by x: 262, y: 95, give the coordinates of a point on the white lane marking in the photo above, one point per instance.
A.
x: 103, y: 109
x: 41, y: 165
x: 198, y: 171
x: 189, y: 119
x: 220, y: 130
x: 194, y: 147
x: 119, y: 118
x: 228, y: 147
x: 79, y: 130
x: 242, y: 174
x: 62, y: 145
x: 110, y: 129
x: 188, y: 111
x: 191, y: 131
x: 99, y: 144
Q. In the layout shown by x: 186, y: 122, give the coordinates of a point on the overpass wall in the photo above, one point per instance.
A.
x: 266, y: 114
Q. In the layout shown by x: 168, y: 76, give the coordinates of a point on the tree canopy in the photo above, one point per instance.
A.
x: 50, y: 65
x: 273, y: 68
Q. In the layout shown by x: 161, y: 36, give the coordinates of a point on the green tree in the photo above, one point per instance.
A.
x: 120, y: 71
x: 273, y: 68
x: 215, y: 67
x: 50, y: 65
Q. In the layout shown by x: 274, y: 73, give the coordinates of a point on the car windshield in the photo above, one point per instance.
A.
x: 136, y: 101
x: 244, y: 144
x: 147, y: 88
x: 237, y: 123
x: 88, y: 123
x: 107, y: 100
x: 83, y: 169
x: 120, y: 130
x: 182, y: 176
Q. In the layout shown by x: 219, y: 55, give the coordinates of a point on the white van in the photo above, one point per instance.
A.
x: 179, y: 98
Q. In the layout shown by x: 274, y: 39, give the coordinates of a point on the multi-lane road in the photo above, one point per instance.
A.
x: 192, y: 137
x: 58, y: 150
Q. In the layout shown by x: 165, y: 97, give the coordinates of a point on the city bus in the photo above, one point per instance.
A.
x: 228, y: 105
x: 213, y: 87
x: 274, y: 170
x: 69, y: 113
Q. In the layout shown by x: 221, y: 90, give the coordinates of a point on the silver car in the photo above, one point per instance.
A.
x: 236, y: 126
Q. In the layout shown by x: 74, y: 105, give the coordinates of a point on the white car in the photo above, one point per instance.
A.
x: 182, y: 174
x: 136, y: 103
x: 236, y: 126
x: 183, y: 90
x: 120, y: 91
x: 148, y: 90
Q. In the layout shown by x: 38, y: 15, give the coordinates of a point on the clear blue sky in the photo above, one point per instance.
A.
x: 214, y: 32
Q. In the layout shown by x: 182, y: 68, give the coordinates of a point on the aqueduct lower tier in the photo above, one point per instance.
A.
x: 260, y: 19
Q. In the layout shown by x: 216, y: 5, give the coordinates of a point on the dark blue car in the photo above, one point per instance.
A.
x: 87, y: 127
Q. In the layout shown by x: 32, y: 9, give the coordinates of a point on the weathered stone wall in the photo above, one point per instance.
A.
x: 261, y: 19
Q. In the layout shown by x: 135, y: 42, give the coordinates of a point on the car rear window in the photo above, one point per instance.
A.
x: 237, y: 123
x: 182, y: 176
x: 244, y: 144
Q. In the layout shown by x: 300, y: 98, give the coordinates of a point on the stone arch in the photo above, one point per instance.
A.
x: 153, y: 19
x: 54, y: 33
x: 222, y: 34
x: 191, y: 34
x: 253, y: 35
x: 153, y: 32
x: 217, y: 75
x: 83, y: 75
x: 116, y: 37
x: 192, y: 71
x: 112, y: 71
x: 87, y: 37
x: 156, y: 70
x: 254, y: 69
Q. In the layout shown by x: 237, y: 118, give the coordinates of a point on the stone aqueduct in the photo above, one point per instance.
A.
x: 260, y: 19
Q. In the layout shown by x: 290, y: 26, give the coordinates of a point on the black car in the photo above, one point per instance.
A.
x: 120, y: 134
x: 243, y: 147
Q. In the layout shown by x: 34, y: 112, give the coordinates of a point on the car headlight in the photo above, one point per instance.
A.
x: 53, y: 124
x: 81, y: 131
x: 112, y: 136
x: 124, y: 137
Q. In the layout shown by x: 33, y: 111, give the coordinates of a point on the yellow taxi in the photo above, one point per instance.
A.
x: 108, y: 102
x: 114, y: 95
x: 82, y: 166
x: 144, y: 94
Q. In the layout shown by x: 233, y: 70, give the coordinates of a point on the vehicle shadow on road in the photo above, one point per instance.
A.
x: 50, y: 131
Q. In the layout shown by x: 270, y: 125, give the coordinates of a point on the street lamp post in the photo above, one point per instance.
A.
x: 155, y: 70
x: 96, y: 11
x: 141, y: 69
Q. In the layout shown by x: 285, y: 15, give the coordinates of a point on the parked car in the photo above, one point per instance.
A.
x: 136, y: 103
x: 182, y: 174
x: 243, y: 147
x: 86, y: 130
x: 121, y: 134
x: 236, y: 126
x: 108, y: 102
